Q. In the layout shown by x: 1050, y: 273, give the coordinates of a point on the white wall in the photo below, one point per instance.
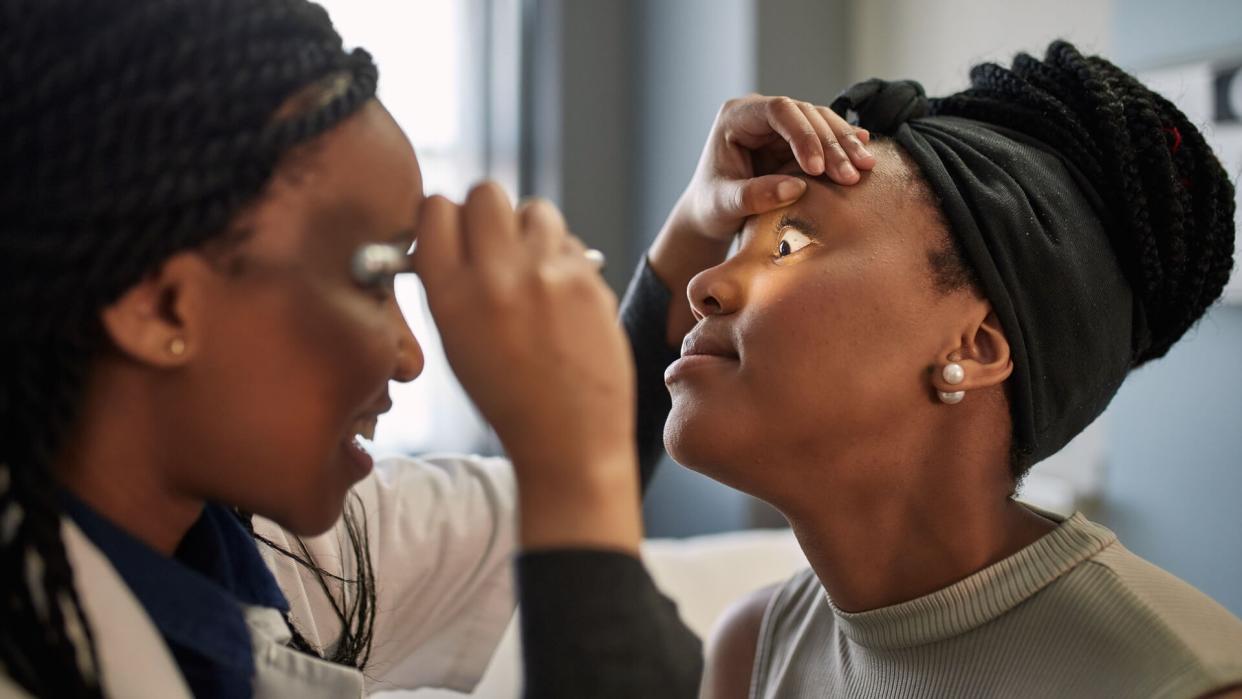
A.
x: 936, y: 42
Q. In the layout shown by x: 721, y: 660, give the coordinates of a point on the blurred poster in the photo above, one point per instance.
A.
x: 1210, y: 94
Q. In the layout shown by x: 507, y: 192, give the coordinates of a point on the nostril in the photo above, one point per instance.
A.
x: 711, y: 305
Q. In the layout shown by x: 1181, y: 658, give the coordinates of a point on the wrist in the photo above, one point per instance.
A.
x: 590, y: 504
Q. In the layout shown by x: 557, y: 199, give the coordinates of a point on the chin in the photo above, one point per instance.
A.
x: 311, y: 517
x: 700, y: 444
x: 725, y: 445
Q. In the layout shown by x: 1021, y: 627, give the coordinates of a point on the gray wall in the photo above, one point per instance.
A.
x: 693, y: 55
x: 1175, y: 465
x: 578, y: 134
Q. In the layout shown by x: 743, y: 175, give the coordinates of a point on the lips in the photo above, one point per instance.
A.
x: 701, y: 341
x: 703, y: 349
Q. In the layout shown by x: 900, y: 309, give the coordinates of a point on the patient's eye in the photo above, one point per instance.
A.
x: 792, y: 240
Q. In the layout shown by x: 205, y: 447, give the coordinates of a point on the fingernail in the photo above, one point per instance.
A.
x: 815, y: 165
x: 788, y: 190
x: 846, y: 170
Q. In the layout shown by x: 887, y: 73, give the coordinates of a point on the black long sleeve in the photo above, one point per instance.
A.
x: 593, y: 623
x: 644, y: 314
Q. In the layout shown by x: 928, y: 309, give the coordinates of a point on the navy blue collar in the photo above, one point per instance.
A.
x: 193, y: 598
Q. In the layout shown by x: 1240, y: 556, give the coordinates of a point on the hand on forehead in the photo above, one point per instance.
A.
x: 879, y: 196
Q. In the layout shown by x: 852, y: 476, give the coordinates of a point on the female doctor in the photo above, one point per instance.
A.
x: 190, y: 349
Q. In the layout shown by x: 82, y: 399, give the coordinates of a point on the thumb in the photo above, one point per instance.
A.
x: 743, y: 198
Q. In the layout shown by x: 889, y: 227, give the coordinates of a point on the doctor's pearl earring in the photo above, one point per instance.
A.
x: 176, y: 347
x: 953, y: 375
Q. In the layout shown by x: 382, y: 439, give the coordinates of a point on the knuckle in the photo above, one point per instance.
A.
x: 543, y: 209
x: 488, y: 190
x: 545, y: 280
x: 780, y: 105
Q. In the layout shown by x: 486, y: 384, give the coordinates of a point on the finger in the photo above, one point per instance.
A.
x: 742, y: 198
x: 771, y: 158
x: 849, y: 136
x: 572, y: 246
x: 440, y: 251
x: 752, y: 124
x: 542, y: 226
x: 837, y: 164
x: 489, y: 226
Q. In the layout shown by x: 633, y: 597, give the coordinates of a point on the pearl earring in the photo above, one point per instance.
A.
x: 953, y: 374
x: 176, y: 347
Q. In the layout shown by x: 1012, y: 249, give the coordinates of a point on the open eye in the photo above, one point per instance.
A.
x: 792, y: 240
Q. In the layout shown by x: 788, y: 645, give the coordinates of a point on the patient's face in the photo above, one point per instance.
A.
x: 829, y: 311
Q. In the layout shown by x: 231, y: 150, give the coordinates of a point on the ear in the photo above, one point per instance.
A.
x: 983, y: 352
x: 159, y: 320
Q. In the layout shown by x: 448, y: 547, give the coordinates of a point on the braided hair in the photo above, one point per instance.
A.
x: 1171, y: 202
x: 133, y: 130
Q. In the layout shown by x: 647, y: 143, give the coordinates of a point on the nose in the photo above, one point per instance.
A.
x: 715, y: 291
x: 409, y: 353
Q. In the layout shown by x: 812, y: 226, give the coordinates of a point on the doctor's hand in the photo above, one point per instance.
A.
x: 530, y: 329
x: 753, y: 137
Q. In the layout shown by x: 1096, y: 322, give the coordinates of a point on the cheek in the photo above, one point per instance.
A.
x: 279, y: 394
x: 845, y: 349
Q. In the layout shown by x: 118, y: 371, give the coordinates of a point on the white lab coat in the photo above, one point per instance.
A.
x: 442, y: 530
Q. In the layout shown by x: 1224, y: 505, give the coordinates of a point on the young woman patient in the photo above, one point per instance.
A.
x: 884, y: 361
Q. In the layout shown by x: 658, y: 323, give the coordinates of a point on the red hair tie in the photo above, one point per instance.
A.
x: 1177, y: 145
x: 1177, y: 139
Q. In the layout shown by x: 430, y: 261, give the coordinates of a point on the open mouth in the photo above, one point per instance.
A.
x: 358, y: 445
x: 358, y: 451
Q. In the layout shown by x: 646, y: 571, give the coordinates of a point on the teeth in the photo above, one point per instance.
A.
x: 364, y: 444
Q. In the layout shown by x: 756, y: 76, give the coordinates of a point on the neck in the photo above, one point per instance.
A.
x: 933, y: 523
x: 113, y: 464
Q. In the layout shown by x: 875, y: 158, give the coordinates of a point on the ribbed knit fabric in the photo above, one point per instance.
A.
x: 1072, y: 615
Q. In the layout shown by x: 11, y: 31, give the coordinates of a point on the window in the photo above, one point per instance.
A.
x: 449, y: 78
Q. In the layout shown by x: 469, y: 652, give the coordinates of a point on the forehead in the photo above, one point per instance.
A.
x: 360, y: 177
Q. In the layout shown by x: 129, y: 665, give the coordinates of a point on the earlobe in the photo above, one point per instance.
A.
x: 981, y: 360
x: 154, y: 321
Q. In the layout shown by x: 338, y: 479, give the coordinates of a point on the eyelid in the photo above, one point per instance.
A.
x: 804, y: 225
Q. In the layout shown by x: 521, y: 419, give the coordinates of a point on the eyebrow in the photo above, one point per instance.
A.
x: 805, y: 225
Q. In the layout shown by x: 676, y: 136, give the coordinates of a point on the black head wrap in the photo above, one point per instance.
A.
x: 1097, y: 243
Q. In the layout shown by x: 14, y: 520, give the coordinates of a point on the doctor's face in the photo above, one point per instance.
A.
x: 296, y: 356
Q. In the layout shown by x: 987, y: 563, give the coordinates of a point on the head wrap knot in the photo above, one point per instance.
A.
x: 881, y: 105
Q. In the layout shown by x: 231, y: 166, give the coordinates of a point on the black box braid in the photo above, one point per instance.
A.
x: 1170, y: 202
